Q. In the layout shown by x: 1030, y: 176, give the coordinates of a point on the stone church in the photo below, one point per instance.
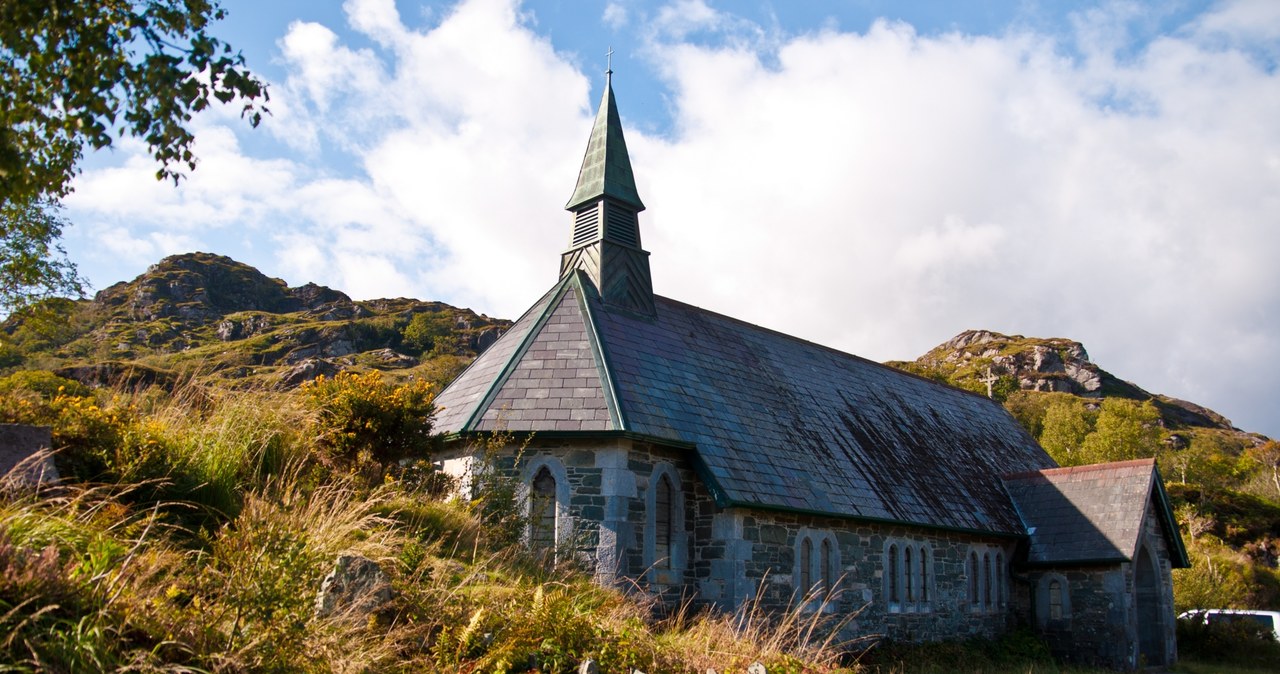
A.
x: 708, y: 459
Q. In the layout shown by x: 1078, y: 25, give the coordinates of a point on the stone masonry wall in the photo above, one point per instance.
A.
x: 727, y: 555
x: 1101, y: 627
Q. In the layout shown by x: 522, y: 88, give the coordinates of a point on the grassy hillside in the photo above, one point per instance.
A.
x: 195, y: 527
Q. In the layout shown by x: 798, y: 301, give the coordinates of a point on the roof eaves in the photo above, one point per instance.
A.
x: 516, y: 354
x: 568, y: 435
x: 617, y: 416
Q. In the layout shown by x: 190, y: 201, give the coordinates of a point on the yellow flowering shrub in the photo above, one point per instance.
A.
x: 363, y: 415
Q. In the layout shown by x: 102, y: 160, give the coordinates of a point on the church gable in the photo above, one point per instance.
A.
x: 1093, y: 514
x: 459, y: 403
x: 555, y: 384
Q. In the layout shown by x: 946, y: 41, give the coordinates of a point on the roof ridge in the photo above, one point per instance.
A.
x: 1087, y: 468
x: 834, y: 350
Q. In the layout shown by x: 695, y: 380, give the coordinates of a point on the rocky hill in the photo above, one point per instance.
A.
x: 220, y: 320
x: 997, y: 365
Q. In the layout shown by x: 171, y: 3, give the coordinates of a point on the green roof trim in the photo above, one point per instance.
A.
x: 516, y: 355
x: 606, y: 167
x: 611, y: 399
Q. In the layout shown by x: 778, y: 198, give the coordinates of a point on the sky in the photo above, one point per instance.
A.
x: 874, y: 176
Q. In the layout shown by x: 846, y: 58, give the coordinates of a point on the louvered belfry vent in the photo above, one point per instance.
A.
x: 586, y: 226
x: 621, y: 225
x: 606, y: 230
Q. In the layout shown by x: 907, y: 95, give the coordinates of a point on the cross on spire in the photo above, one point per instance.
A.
x: 609, y: 61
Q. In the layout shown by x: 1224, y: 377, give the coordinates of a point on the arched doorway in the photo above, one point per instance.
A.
x: 1151, y: 619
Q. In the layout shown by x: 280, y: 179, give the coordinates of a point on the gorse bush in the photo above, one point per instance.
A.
x: 361, y: 417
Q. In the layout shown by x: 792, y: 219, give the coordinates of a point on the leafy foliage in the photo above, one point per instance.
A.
x: 362, y: 417
x: 33, y: 265
x: 74, y: 73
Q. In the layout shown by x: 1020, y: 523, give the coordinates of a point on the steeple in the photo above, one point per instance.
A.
x: 605, y: 207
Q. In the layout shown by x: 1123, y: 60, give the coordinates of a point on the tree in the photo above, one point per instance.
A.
x: 1065, y: 427
x: 1267, y: 456
x: 1125, y: 429
x: 33, y: 266
x: 73, y: 73
x: 77, y: 73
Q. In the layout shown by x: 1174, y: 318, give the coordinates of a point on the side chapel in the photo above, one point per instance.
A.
x: 699, y: 456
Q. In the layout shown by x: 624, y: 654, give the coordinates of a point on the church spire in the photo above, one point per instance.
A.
x: 605, y: 207
x: 606, y: 168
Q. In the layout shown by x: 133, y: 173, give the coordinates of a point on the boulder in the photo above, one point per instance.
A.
x: 356, y: 585
x: 307, y: 370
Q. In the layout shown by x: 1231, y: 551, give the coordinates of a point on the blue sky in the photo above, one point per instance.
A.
x: 875, y: 176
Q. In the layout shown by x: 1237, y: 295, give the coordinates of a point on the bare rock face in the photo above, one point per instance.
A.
x: 390, y: 359
x: 240, y: 328
x: 307, y: 370
x: 1059, y: 365
x: 356, y: 585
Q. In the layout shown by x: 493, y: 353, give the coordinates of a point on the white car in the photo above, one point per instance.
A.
x: 1269, y: 620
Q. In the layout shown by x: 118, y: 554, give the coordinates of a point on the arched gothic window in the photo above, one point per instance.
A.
x: 924, y: 575
x: 986, y: 578
x: 891, y: 568
x: 806, y: 566
x: 666, y: 543
x: 664, y: 519
x: 817, y: 565
x: 542, y: 511
x: 973, y: 578
x: 827, y: 566
x: 1055, y: 600
x: 909, y: 576
x: 1002, y: 590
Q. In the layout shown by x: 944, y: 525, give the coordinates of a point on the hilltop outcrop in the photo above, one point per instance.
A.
x: 211, y: 317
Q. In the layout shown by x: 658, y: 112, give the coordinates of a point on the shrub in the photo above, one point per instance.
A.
x: 42, y: 382
x: 1244, y: 642
x: 424, y: 329
x: 361, y: 417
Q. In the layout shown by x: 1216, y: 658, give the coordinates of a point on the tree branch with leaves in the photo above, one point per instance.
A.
x: 77, y: 74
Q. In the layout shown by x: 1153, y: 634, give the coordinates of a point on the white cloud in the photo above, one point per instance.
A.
x: 615, y: 15
x: 875, y: 191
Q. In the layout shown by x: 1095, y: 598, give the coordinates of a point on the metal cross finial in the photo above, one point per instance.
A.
x: 609, y: 60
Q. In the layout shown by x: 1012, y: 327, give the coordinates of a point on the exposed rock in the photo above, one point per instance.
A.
x: 390, y: 359
x: 174, y: 314
x: 307, y: 370
x: 757, y: 668
x: 589, y: 666
x: 25, y: 460
x: 355, y: 585
x: 1058, y: 365
x: 239, y: 328
x: 338, y: 311
x: 114, y: 374
x: 483, y: 340
x: 311, y: 296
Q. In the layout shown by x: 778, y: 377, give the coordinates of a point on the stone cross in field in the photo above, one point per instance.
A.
x: 990, y: 380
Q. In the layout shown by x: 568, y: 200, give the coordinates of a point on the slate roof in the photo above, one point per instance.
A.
x: 773, y: 421
x: 1087, y: 514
